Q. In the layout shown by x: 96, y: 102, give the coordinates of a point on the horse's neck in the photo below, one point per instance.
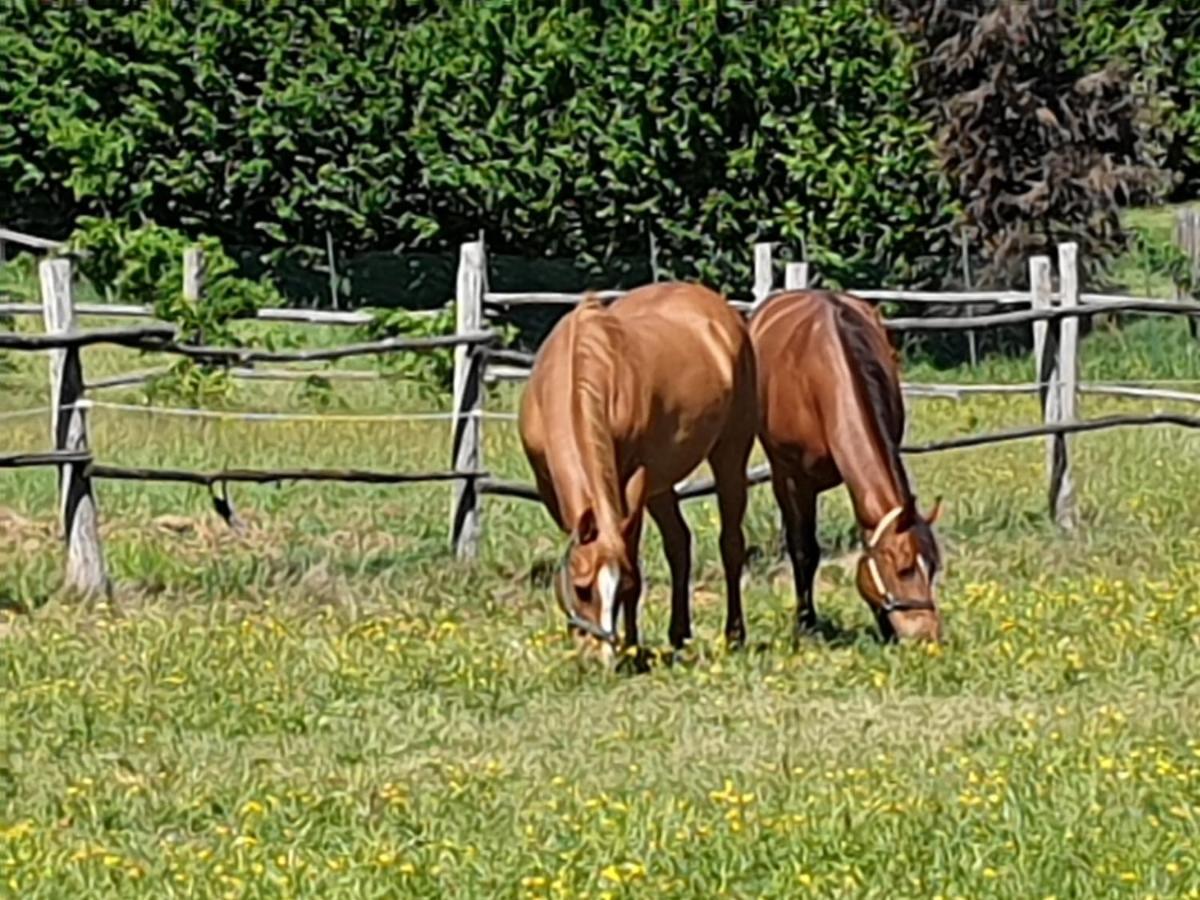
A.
x: 868, y: 460
x: 592, y: 383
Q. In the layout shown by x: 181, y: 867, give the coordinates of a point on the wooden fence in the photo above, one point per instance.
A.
x: 1053, y: 311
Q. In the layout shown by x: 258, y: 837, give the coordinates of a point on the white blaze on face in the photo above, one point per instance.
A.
x: 606, y: 583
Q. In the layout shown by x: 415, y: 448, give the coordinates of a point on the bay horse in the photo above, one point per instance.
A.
x: 831, y: 411
x: 623, y: 403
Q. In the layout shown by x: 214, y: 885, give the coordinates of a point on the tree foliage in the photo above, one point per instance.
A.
x: 573, y: 130
x: 1037, y: 150
x: 1156, y: 47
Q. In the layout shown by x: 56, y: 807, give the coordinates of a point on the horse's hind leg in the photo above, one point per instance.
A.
x: 798, y: 507
x: 632, y: 595
x: 677, y: 546
x: 728, y: 461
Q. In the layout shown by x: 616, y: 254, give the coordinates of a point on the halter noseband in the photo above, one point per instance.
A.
x: 891, y: 603
x: 564, y: 592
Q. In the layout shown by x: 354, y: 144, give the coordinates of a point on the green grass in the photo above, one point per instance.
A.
x: 1132, y: 272
x: 327, y: 705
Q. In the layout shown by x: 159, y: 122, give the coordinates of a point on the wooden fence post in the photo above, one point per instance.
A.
x: 86, y: 574
x: 972, y: 347
x: 1062, y: 487
x: 193, y: 274
x: 1056, y: 349
x: 1187, y: 239
x: 466, y: 427
x: 1045, y: 353
x: 763, y: 276
x: 795, y: 276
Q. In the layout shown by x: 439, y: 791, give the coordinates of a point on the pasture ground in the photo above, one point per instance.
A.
x: 326, y: 705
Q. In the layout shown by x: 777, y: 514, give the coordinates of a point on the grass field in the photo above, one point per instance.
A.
x: 327, y: 705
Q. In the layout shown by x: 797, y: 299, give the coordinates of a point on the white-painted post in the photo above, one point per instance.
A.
x: 1062, y: 487
x: 193, y: 274
x: 1041, y: 296
x: 86, y: 573
x: 795, y: 276
x: 763, y: 275
x: 466, y: 428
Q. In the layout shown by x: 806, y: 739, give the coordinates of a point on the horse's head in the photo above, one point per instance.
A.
x: 597, y: 573
x: 897, y: 571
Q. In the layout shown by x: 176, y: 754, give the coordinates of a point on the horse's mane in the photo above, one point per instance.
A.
x: 872, y: 366
x: 593, y: 354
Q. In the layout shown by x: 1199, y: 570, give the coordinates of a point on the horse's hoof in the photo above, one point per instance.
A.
x: 635, y: 661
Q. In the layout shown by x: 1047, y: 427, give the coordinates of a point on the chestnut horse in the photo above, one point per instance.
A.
x: 623, y: 403
x: 831, y: 411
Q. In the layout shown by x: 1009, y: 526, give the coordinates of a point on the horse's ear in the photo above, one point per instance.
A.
x: 935, y: 513
x: 586, y: 530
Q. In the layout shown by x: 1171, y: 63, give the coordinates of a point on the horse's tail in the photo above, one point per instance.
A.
x: 591, y: 302
x: 592, y: 360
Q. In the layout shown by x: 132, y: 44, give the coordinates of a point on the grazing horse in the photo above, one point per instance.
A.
x: 831, y: 411
x: 623, y: 403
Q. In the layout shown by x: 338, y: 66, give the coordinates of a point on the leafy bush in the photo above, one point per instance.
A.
x: 570, y: 130
x: 145, y: 265
x: 432, y: 369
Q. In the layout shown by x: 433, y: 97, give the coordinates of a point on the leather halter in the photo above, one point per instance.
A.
x: 891, y: 603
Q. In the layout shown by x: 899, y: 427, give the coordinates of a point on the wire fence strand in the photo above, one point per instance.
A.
x: 256, y: 416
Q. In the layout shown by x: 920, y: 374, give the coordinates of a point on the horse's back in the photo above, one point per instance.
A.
x: 800, y: 342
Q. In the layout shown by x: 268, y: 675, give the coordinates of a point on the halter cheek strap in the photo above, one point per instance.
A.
x: 564, y: 590
x: 891, y: 516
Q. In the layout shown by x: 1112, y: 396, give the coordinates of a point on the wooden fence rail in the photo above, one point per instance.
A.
x: 142, y: 337
x: 245, y: 355
x: 356, y: 318
x: 275, y: 476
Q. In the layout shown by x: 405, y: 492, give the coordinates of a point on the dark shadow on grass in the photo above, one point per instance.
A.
x: 13, y: 606
x: 646, y: 659
x: 834, y: 634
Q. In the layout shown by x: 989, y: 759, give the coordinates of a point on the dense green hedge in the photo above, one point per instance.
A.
x: 568, y: 129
